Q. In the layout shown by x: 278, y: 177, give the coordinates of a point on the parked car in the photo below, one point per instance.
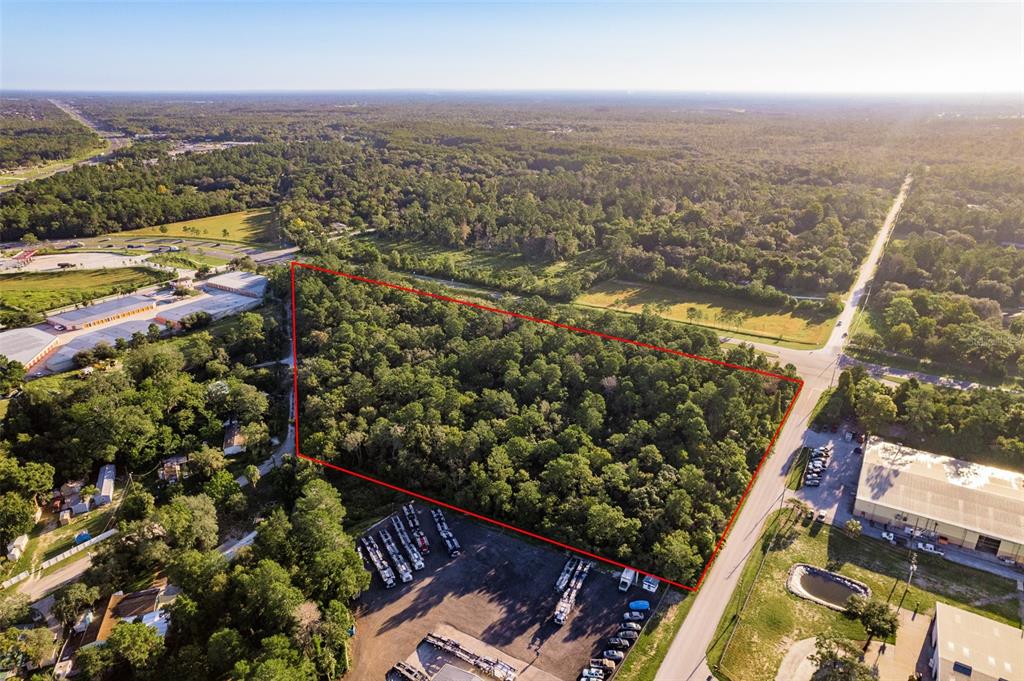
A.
x: 641, y: 606
x: 928, y: 548
x: 633, y: 616
x: 592, y: 673
x: 616, y: 642
x: 650, y: 584
x: 616, y: 655
x: 630, y: 626
x: 815, y: 482
x: 858, y: 450
x: 889, y: 537
x: 600, y: 663
x: 628, y: 634
x: 821, y: 516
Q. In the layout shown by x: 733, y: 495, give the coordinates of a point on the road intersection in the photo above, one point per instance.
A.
x: 686, y: 659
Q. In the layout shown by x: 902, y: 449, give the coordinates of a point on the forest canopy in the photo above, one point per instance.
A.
x: 636, y: 454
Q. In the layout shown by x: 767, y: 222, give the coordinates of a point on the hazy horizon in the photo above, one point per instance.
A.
x: 826, y: 49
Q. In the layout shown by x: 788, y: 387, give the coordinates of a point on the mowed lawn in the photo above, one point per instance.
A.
x: 774, y: 619
x: 41, y: 291
x: 760, y: 322
x: 244, y: 226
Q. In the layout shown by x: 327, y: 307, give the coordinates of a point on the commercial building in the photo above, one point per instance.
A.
x: 217, y: 304
x: 942, y: 499
x: 969, y: 647
x: 101, y: 313
x: 242, y: 283
x: 64, y: 358
x: 27, y: 346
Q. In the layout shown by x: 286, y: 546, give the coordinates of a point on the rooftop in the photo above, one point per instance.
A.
x: 217, y: 304
x: 965, y: 641
x: 24, y: 345
x: 102, y: 310
x: 250, y: 282
x: 969, y: 495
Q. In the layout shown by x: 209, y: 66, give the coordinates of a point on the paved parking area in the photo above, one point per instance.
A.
x: 500, y: 591
x: 838, y: 487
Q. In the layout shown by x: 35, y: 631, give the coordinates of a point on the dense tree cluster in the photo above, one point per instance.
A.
x: 637, y: 454
x: 958, y: 256
x: 948, y: 327
x: 980, y: 425
x: 279, y: 611
x: 159, y: 402
x: 34, y: 131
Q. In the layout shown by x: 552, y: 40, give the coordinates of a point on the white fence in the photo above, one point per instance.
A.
x: 21, y: 577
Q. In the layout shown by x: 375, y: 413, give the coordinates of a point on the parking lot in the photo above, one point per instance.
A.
x: 838, y: 487
x: 499, y: 591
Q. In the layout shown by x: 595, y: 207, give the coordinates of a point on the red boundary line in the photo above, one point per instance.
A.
x: 437, y: 296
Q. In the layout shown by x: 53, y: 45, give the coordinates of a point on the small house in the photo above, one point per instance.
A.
x: 65, y: 517
x: 105, y: 485
x: 173, y: 469
x: 16, y: 549
x: 234, y: 440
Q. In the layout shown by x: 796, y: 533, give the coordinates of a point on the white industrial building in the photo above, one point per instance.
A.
x: 101, y: 313
x: 242, y: 283
x: 217, y: 304
x: 27, y: 346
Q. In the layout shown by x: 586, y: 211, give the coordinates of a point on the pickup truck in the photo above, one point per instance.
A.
x: 928, y: 548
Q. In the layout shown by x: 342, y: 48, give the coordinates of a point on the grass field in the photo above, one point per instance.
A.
x: 774, y: 619
x: 759, y: 322
x: 41, y: 291
x: 187, y: 260
x: 19, y: 175
x: 244, y: 226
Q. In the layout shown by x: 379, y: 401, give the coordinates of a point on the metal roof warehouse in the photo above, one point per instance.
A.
x: 107, y: 311
x: 27, y: 346
x: 955, y: 501
x: 243, y: 283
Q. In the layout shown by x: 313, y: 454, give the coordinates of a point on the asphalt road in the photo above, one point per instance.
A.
x: 686, y: 659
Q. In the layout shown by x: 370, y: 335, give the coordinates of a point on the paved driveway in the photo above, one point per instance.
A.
x: 838, y: 487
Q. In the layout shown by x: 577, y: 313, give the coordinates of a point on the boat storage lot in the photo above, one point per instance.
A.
x: 501, y: 590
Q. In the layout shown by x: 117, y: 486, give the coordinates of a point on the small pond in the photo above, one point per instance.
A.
x: 824, y: 587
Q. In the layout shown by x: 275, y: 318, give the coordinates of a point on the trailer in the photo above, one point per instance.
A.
x: 387, y: 575
x: 454, y: 548
x: 412, y: 519
x: 489, y: 665
x: 409, y: 673
x: 563, y: 579
x: 410, y: 549
x: 404, y: 573
x: 568, y: 599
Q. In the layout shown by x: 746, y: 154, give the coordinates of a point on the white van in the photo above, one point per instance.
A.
x: 627, y: 580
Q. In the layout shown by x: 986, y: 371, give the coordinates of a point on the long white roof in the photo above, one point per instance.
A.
x: 24, y: 345
x: 981, y: 498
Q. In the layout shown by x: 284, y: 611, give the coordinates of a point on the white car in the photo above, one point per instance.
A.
x: 928, y: 548
x: 650, y: 583
x: 889, y: 537
x: 821, y: 516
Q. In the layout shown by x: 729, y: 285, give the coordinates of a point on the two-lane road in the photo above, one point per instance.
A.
x: 686, y: 659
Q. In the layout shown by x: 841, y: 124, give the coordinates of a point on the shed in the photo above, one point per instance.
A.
x: 16, y: 548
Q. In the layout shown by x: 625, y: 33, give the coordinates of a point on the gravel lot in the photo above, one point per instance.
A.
x: 500, y: 591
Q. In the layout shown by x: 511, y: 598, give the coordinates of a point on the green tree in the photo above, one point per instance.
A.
x: 17, y: 515
x: 95, y: 662
x: 207, y: 461
x: 836, y: 659
x: 189, y: 522
x: 138, y: 505
x: 71, y: 601
x: 853, y: 527
x: 136, y: 643
x: 879, y: 620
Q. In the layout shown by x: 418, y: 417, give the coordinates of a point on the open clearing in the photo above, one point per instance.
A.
x: 41, y: 291
x: 714, y: 311
x: 499, y: 591
x: 774, y: 618
x: 244, y: 226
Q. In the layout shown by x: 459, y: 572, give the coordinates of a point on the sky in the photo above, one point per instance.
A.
x: 827, y: 47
